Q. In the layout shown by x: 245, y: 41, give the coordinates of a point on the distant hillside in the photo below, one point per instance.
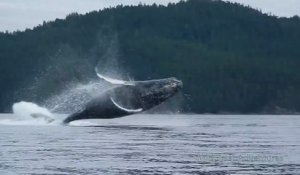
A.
x: 231, y: 58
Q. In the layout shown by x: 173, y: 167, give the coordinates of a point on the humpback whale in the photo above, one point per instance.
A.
x: 126, y: 98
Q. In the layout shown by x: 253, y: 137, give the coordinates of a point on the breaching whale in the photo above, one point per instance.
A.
x: 128, y: 97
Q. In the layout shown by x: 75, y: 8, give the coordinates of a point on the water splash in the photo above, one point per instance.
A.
x: 27, y: 113
x: 26, y: 109
x: 74, y: 97
x: 57, y: 107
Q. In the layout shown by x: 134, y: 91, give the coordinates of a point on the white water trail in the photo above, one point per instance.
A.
x: 28, y: 113
x: 27, y: 109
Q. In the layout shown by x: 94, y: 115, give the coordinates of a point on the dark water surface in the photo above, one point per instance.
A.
x: 153, y: 144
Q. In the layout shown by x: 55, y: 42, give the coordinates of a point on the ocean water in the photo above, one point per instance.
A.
x: 152, y: 144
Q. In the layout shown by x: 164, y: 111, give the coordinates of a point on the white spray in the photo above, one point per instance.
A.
x: 27, y: 113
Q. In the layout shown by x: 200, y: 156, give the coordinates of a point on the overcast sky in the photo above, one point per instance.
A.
x: 22, y: 14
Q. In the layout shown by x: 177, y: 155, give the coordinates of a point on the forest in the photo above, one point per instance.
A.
x: 231, y: 58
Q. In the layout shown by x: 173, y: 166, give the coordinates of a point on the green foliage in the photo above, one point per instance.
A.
x: 231, y: 58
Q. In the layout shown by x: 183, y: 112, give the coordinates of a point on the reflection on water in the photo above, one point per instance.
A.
x: 154, y: 144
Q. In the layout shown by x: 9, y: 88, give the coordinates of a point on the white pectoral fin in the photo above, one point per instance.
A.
x: 125, y: 109
x: 114, y: 81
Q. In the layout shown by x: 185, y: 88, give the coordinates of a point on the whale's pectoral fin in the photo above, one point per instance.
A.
x: 125, y: 109
x: 115, y: 81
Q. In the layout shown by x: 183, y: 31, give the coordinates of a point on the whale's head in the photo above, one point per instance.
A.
x: 146, y: 94
x: 154, y: 92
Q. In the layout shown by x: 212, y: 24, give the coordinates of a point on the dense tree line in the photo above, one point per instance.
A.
x: 231, y: 58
